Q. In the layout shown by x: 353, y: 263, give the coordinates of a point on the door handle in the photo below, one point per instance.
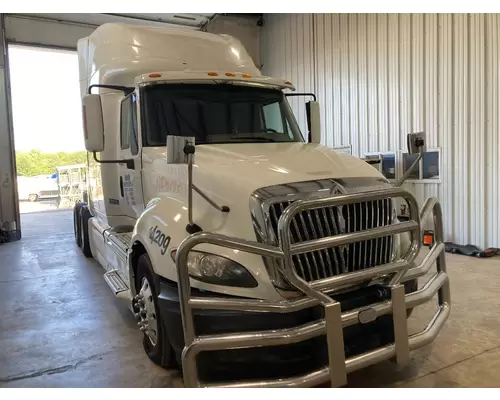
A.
x: 121, y: 186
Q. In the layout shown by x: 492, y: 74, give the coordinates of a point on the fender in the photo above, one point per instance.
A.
x: 162, y: 227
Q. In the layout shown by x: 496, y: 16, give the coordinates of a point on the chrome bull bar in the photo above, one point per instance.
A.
x: 334, y: 320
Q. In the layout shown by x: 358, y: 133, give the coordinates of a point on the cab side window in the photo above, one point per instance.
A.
x: 128, y: 124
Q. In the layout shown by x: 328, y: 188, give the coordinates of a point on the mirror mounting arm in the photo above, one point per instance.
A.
x: 224, y: 209
x: 130, y: 162
x: 409, y: 171
x: 181, y: 150
x: 191, y: 228
x: 416, y: 145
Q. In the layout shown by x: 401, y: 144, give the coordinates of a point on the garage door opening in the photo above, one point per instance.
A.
x: 50, y: 152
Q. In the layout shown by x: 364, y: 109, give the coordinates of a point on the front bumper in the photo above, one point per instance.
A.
x: 298, y: 350
x: 334, y: 323
x: 280, y: 361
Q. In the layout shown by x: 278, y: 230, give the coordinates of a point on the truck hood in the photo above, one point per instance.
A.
x: 264, y: 164
x: 234, y: 170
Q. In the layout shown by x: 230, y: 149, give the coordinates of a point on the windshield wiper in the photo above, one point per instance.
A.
x: 256, y: 138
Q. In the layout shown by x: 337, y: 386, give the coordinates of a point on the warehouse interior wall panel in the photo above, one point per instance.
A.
x: 289, y: 37
x: 381, y: 76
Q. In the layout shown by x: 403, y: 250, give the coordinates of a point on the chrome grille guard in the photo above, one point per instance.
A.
x: 314, y: 293
x: 333, y: 221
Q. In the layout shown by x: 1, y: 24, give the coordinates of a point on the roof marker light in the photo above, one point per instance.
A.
x: 230, y: 74
x: 246, y: 76
x: 213, y: 74
x: 155, y: 75
x: 288, y: 83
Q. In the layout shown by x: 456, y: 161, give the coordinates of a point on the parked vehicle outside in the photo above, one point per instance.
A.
x: 37, y: 187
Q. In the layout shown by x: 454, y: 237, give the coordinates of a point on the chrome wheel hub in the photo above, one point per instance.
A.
x: 146, y: 313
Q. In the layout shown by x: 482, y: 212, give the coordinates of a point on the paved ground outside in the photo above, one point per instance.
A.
x: 26, y: 207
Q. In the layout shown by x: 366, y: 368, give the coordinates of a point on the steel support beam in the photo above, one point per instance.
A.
x: 9, y: 204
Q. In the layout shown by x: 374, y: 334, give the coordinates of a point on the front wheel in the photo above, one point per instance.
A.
x: 155, y: 340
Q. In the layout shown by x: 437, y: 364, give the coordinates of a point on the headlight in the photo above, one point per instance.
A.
x: 210, y: 268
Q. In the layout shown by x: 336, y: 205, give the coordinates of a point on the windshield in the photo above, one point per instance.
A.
x: 220, y: 113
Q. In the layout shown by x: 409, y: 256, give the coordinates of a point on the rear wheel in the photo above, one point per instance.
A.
x: 155, y: 340
x: 76, y: 224
x: 84, y: 231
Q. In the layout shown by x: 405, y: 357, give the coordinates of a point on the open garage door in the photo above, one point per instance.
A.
x: 57, y: 31
x: 64, y: 30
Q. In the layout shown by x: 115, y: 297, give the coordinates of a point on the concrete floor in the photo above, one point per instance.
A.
x: 61, y: 326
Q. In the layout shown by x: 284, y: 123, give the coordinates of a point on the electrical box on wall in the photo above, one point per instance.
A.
x: 387, y: 163
x: 393, y: 165
x: 428, y: 169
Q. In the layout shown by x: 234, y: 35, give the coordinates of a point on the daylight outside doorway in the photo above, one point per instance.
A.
x: 50, y: 153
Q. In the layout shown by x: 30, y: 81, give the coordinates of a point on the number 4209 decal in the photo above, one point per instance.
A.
x: 159, y: 238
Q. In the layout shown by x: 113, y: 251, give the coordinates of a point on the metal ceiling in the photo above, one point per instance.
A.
x: 194, y: 21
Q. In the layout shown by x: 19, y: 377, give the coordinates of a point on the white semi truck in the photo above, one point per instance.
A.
x: 250, y: 254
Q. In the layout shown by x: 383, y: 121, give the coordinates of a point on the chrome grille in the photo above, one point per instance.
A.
x: 331, y: 221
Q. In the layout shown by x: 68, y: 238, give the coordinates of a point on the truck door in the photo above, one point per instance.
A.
x: 130, y: 177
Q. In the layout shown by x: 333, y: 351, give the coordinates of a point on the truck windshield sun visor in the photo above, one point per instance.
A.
x: 217, y: 114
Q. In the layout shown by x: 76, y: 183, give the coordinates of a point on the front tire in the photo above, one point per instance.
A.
x: 155, y: 341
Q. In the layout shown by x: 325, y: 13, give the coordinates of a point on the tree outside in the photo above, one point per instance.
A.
x: 36, y: 163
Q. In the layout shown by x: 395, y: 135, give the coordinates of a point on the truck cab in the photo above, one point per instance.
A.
x: 235, y: 238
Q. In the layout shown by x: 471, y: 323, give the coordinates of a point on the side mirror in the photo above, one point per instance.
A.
x: 179, y: 148
x: 416, y: 143
x: 93, y: 126
x: 313, y: 122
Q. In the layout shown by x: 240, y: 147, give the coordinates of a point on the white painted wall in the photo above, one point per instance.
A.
x: 381, y: 76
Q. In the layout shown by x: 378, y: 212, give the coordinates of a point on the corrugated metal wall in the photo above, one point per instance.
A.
x: 290, y: 37
x: 381, y: 76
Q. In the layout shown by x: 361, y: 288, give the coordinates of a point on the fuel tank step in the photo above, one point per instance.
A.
x: 114, y: 281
